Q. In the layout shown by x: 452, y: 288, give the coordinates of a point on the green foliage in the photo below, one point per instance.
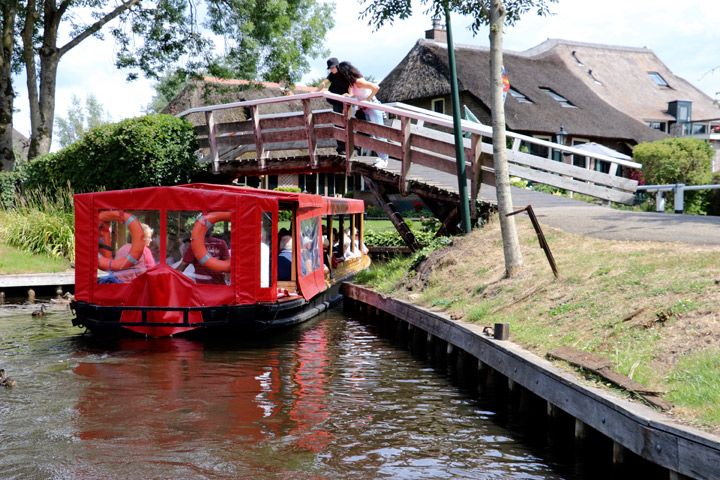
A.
x: 695, y: 384
x: 288, y: 188
x: 167, y: 88
x: 380, y: 12
x: 41, y: 224
x: 678, y: 160
x: 137, y: 152
x: 432, y: 245
x: 8, y: 183
x: 79, y: 120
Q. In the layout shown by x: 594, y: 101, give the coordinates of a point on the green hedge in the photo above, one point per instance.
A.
x: 137, y: 152
x: 8, y: 182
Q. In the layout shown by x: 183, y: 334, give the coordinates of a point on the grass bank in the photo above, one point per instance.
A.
x: 651, y: 308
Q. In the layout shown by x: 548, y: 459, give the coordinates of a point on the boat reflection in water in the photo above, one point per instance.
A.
x: 199, y: 406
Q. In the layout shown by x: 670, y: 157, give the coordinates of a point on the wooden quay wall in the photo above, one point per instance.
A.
x: 632, y: 431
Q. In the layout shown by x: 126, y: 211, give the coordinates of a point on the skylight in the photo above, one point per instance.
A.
x: 519, y: 96
x: 564, y: 102
x: 658, y: 79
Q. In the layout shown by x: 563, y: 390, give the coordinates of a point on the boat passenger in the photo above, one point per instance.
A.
x: 145, y: 261
x: 216, y: 248
x: 285, y: 259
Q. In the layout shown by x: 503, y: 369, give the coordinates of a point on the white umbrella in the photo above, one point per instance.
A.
x: 593, y: 147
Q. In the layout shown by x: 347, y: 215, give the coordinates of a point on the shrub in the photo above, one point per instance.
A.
x: 137, y: 152
x: 713, y: 197
x: 8, y: 192
x: 677, y: 160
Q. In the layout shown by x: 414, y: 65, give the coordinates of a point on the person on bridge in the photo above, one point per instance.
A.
x: 364, y: 90
x: 338, y: 84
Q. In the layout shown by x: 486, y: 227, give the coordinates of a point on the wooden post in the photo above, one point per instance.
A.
x: 406, y: 154
x: 310, y: 132
x: 581, y: 432
x: 400, y: 225
x: 212, y: 140
x: 257, y: 133
x: 475, y: 173
x: 349, y: 138
x: 618, y: 453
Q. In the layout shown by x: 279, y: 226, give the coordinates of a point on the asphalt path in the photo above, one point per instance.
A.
x: 582, y: 218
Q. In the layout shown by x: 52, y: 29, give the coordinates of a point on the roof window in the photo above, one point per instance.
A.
x: 519, y: 96
x: 658, y: 79
x: 564, y: 102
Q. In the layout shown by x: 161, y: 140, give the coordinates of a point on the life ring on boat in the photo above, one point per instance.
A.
x: 104, y: 240
x: 137, y: 245
x: 197, y: 241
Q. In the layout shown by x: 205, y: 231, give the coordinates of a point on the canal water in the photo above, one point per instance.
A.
x: 329, y: 399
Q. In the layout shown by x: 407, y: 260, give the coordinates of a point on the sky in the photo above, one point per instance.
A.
x: 684, y: 35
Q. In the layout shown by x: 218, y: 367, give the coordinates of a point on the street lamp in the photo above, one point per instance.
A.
x: 560, y: 138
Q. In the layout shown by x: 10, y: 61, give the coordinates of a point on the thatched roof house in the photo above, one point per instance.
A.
x: 21, y: 145
x: 215, y: 91
x: 633, y: 80
x: 615, y: 96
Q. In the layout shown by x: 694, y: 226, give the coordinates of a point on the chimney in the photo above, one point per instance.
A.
x: 437, y: 32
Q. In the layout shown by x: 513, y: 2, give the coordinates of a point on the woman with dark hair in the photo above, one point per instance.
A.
x: 361, y: 89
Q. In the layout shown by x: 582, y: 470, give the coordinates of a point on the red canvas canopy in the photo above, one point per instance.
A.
x: 162, y: 285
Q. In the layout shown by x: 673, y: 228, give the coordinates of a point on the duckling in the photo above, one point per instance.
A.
x: 40, y: 312
x: 6, y: 381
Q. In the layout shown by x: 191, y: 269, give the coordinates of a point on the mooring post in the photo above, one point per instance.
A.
x: 31, y: 296
x: 2, y: 298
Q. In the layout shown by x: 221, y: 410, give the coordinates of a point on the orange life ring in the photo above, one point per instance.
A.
x: 197, y: 241
x: 105, y: 240
x: 137, y: 244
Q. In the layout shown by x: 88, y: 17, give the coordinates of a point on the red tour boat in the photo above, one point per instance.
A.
x: 160, y: 261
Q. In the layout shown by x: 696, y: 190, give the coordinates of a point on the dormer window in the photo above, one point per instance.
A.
x: 658, y: 79
x: 438, y: 105
x: 564, y: 102
x: 519, y: 96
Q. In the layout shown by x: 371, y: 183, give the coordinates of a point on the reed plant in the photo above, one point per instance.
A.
x: 41, y: 223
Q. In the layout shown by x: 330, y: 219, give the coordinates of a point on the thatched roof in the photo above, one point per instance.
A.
x: 424, y: 73
x: 619, y: 75
x: 215, y: 91
x: 21, y: 144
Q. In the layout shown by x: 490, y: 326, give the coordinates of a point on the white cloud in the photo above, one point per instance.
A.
x: 684, y: 35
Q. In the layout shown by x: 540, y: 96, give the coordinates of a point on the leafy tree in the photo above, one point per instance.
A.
x: 678, y: 160
x: 261, y: 38
x: 496, y: 14
x: 80, y: 120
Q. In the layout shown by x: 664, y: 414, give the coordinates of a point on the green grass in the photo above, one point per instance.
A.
x: 14, y: 260
x: 695, y: 385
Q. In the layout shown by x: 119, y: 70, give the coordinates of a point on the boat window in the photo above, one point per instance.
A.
x: 128, y: 244
x: 266, y: 235
x: 207, y: 262
x: 310, y: 246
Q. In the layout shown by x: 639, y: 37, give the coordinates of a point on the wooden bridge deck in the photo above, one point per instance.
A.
x: 421, y: 149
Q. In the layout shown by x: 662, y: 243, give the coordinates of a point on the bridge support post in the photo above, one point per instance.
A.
x: 394, y: 216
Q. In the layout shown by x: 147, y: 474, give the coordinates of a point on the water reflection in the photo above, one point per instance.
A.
x: 327, y: 400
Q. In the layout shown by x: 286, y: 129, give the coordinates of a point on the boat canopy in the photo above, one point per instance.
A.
x: 116, y: 231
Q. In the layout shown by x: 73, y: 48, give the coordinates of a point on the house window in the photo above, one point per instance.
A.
x: 657, y: 125
x: 579, y: 160
x: 535, y: 149
x: 519, y: 96
x: 438, y: 105
x: 564, y: 102
x: 658, y: 79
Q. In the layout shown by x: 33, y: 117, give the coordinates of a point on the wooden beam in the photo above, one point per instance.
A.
x: 309, y: 131
x: 257, y: 133
x: 394, y: 216
x: 212, y: 141
x: 475, y: 173
x: 349, y: 137
x: 405, y: 153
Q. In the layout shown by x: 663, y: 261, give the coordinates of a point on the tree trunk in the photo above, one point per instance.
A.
x: 511, y: 246
x: 7, y: 94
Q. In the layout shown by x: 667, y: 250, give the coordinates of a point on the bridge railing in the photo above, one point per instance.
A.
x: 415, y: 137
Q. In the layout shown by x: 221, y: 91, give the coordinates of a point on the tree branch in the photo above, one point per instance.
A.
x: 95, y: 27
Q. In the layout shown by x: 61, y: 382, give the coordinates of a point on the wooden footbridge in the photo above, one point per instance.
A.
x: 299, y: 134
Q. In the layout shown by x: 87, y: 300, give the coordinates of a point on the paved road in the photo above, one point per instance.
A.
x: 585, y: 219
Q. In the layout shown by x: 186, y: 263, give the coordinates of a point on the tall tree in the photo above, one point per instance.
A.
x: 256, y: 38
x: 8, y: 12
x: 80, y: 119
x: 496, y: 14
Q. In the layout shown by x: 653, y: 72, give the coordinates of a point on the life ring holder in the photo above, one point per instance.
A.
x: 197, y: 241
x: 137, y: 245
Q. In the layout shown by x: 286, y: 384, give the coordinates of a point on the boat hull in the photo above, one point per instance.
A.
x: 217, y: 320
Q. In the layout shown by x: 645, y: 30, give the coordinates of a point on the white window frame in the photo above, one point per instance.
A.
x: 434, y: 102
